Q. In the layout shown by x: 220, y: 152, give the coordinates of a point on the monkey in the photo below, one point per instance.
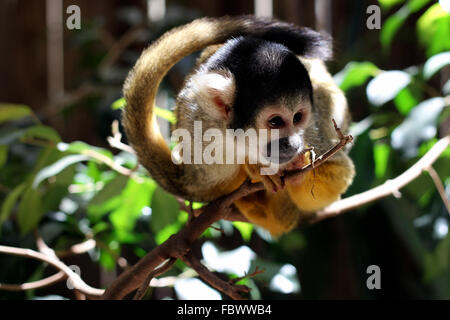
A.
x: 253, y: 73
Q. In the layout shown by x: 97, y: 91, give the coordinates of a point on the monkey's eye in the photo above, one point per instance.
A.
x: 298, y: 117
x: 276, y: 122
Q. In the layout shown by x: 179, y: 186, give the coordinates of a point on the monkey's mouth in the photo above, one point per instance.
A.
x: 298, y: 162
x: 283, y: 158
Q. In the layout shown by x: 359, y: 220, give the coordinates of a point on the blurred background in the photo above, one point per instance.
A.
x: 68, y: 177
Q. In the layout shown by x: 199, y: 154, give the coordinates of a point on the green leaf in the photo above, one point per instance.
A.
x: 165, y: 114
x: 433, y: 28
x: 107, y: 260
x: 392, y: 25
x: 119, y: 104
x: 355, y: 74
x: 435, y: 63
x: 39, y: 131
x: 245, y: 229
x: 395, y: 21
x: 30, y: 210
x: 416, y: 5
x: 9, y: 136
x: 3, y: 154
x: 107, y: 199
x: 42, y: 132
x: 58, y: 189
x: 10, y: 112
x: 83, y: 148
x: 166, y: 232
x: 160, y: 112
x: 10, y: 201
x: 93, y: 171
x: 135, y: 197
x: 110, y: 190
x: 381, y: 153
x: 419, y: 125
x: 57, y: 167
x: 165, y: 209
x: 405, y: 101
x: 362, y: 155
x: 437, y: 261
x: 388, y: 4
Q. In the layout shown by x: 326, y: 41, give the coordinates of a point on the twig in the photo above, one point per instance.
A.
x: 77, y: 282
x: 35, y: 284
x: 115, y: 140
x: 120, y: 45
x: 70, y: 98
x: 250, y: 275
x: 45, y: 250
x: 75, y: 249
x: 343, y: 140
x: 388, y: 188
x: 42, y: 246
x: 156, y: 272
x: 78, y: 248
x: 110, y: 163
x: 218, y: 229
x: 232, y: 290
x: 439, y: 186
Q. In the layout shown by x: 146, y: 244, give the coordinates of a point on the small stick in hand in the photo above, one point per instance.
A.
x: 343, y: 140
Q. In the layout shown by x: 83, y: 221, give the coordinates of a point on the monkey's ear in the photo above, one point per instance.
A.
x: 215, y: 93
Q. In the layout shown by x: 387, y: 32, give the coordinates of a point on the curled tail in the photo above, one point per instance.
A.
x: 144, y: 79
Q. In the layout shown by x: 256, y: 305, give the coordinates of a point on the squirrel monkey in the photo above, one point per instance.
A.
x: 253, y: 74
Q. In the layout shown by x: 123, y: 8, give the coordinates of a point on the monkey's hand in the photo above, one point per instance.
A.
x: 299, y: 162
x: 272, y: 183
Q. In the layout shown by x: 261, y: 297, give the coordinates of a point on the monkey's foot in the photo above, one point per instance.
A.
x: 272, y: 183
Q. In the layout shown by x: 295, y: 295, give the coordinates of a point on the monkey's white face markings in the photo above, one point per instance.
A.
x: 214, y: 93
x: 290, y: 120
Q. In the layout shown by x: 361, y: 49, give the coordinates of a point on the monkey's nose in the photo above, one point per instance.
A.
x: 281, y: 150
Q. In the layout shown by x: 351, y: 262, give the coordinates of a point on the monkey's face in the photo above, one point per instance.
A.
x: 285, y: 122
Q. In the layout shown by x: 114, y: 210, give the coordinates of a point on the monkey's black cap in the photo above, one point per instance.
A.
x: 264, y: 72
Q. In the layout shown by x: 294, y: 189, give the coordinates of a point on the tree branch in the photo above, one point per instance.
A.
x: 57, y: 277
x: 232, y: 290
x: 439, y: 186
x: 156, y: 272
x: 178, y: 245
x: 77, y: 282
x: 390, y: 187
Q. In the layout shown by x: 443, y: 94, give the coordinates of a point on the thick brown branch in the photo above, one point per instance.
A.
x: 176, y: 246
x: 156, y: 272
x: 232, y: 290
x: 179, y: 244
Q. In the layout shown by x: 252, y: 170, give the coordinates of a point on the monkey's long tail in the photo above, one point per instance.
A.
x: 144, y: 79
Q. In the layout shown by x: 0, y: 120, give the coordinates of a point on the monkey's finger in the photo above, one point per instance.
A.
x: 278, y: 181
x: 269, y: 184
